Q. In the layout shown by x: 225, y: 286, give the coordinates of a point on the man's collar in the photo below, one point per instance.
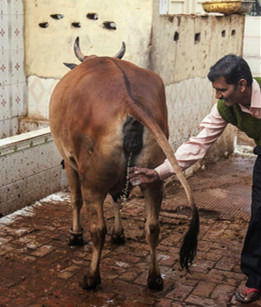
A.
x: 255, y: 96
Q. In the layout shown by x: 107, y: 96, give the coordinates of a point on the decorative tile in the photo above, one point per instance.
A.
x: 14, y: 126
x: 4, y: 67
x: 4, y: 130
x: 16, y: 8
x: 3, y: 29
x: 17, y: 66
x: 16, y: 30
x: 18, y: 99
x: 3, y: 7
x: 39, y: 92
x: 5, y: 102
x: 8, y: 127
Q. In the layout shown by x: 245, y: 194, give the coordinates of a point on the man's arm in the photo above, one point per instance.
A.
x: 187, y: 154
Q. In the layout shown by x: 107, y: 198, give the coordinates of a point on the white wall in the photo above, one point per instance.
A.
x: 252, y: 44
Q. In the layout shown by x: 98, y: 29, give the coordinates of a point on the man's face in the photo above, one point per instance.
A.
x: 228, y: 92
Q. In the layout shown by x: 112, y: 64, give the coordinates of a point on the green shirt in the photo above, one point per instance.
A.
x: 242, y: 120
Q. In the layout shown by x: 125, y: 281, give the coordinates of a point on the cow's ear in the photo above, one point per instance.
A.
x: 70, y: 65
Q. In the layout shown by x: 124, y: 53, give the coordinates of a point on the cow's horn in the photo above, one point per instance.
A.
x: 121, y: 53
x: 77, y: 50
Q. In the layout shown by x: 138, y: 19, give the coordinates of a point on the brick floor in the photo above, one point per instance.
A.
x: 38, y: 268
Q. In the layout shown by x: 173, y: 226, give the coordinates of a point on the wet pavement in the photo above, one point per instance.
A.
x: 38, y: 268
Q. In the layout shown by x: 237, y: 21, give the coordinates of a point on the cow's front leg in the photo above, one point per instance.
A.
x: 153, y: 198
x: 117, y: 236
x: 98, y: 231
x: 76, y: 237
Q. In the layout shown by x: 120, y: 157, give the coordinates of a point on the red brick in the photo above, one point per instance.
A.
x: 180, y: 292
x: 199, y: 301
x: 204, y: 289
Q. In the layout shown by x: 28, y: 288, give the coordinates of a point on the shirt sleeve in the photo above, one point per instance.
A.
x: 196, y: 148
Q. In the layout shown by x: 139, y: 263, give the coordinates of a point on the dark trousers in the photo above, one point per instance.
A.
x: 251, y: 253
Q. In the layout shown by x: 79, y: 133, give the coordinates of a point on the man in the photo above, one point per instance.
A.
x: 239, y: 104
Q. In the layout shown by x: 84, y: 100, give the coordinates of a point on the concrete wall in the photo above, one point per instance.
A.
x: 183, y: 49
x: 48, y: 47
x: 12, y: 78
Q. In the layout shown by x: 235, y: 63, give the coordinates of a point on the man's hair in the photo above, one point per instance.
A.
x: 232, y: 68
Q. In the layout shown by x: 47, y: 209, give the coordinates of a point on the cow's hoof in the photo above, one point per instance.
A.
x: 155, y: 282
x: 118, y: 238
x: 75, y: 239
x: 90, y: 283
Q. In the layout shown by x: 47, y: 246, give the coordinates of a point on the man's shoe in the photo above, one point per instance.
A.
x: 250, y: 296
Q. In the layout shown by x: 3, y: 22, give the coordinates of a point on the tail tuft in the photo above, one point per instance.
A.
x: 189, y: 246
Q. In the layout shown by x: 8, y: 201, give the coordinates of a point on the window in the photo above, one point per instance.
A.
x: 180, y: 7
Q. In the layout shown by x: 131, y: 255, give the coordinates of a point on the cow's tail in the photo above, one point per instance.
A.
x: 189, y: 245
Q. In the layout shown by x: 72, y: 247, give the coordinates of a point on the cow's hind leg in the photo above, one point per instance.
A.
x: 76, y: 237
x: 117, y: 236
x: 94, y: 204
x: 153, y: 198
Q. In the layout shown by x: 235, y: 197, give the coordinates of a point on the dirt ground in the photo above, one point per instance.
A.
x: 38, y: 268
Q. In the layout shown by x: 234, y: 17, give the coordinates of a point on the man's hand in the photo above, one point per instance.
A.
x: 142, y: 176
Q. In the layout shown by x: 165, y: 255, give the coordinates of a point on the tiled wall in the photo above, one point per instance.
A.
x: 12, y: 77
x: 30, y: 169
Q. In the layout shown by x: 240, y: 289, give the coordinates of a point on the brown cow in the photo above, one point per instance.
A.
x: 107, y: 114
